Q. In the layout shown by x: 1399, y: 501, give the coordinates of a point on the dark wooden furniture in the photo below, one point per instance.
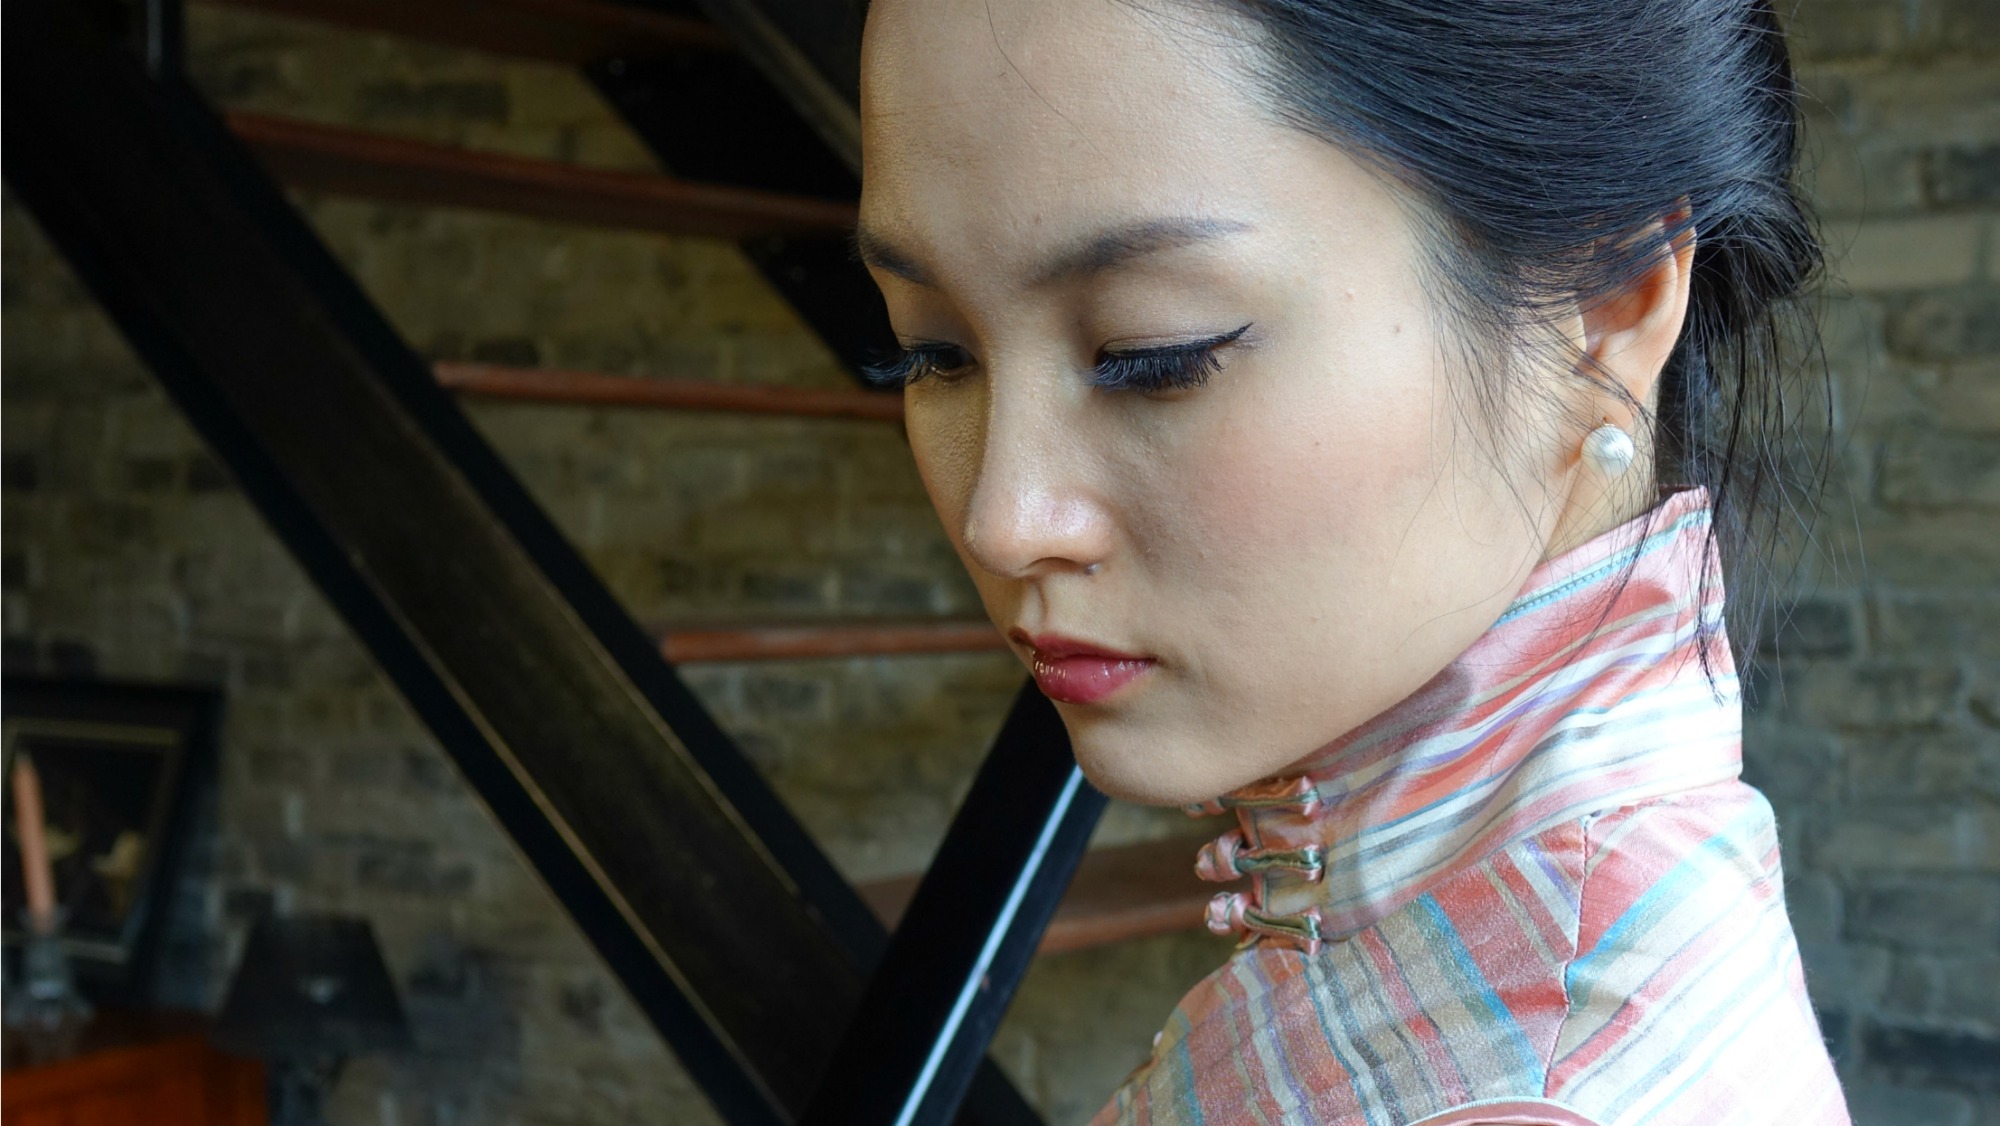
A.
x: 133, y: 1069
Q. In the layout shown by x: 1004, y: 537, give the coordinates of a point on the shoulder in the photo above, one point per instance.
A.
x: 1674, y: 886
x: 1539, y: 986
x: 1684, y: 956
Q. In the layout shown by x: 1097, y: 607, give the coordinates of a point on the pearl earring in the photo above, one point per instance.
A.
x: 1609, y: 449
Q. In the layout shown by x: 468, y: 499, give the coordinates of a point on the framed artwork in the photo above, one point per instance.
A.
x: 118, y: 763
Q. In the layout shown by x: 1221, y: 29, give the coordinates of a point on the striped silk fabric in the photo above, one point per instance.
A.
x: 1535, y: 892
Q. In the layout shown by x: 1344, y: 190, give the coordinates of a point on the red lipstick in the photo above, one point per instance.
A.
x: 1076, y: 672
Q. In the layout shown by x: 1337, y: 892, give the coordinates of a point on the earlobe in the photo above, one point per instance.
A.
x: 1626, y: 339
x: 1610, y: 450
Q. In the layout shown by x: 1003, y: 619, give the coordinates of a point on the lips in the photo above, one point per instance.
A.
x: 1077, y: 672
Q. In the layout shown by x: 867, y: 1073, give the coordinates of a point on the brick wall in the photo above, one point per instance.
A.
x: 1875, y: 734
x: 128, y: 552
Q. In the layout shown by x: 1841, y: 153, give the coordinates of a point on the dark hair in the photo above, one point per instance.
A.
x: 1547, y: 138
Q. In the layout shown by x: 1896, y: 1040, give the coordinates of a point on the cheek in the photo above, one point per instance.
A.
x: 1338, y: 543
x: 946, y: 442
x: 1311, y: 480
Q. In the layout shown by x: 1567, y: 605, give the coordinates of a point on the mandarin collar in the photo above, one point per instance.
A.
x: 1605, y: 683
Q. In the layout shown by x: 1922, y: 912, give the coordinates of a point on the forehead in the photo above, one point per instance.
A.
x: 992, y: 120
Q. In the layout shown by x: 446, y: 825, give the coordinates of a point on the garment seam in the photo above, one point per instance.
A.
x: 1595, y: 572
x: 1585, y: 825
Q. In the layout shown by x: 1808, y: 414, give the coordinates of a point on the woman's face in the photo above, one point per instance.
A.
x: 1184, y: 406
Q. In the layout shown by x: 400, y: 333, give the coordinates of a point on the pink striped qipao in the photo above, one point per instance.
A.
x: 1534, y: 892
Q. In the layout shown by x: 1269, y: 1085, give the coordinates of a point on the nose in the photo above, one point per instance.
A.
x: 1034, y: 509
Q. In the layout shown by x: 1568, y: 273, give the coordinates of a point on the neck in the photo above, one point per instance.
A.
x: 1589, y: 693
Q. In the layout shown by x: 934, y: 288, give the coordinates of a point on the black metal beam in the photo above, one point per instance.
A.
x: 166, y: 37
x: 728, y: 927
x: 713, y: 117
x: 969, y: 934
x: 810, y: 50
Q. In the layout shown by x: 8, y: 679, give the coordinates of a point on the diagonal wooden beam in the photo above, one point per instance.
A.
x: 572, y: 32
x: 355, y: 162
x: 727, y: 926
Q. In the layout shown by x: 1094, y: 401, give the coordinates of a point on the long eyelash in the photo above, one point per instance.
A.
x: 1169, y: 367
x: 901, y: 367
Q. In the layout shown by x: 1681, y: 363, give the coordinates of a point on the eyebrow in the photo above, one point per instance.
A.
x: 1090, y: 254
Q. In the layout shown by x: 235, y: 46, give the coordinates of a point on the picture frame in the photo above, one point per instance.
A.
x: 120, y: 764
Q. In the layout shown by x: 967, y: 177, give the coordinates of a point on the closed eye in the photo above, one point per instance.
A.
x: 905, y: 366
x: 1165, y: 367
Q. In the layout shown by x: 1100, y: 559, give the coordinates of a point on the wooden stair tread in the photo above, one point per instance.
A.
x: 1119, y: 894
x: 571, y: 32
x: 831, y: 639
x: 355, y: 162
x: 546, y: 385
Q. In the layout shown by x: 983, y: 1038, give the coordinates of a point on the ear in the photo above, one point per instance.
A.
x: 1626, y: 339
x: 1630, y: 334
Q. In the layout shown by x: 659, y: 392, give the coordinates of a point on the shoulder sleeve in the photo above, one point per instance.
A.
x: 1510, y: 1112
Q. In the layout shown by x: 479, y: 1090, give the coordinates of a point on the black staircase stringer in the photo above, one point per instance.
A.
x: 779, y: 113
x: 729, y: 928
x: 714, y: 118
x: 809, y: 51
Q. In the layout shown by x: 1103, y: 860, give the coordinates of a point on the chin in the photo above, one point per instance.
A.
x: 1132, y: 765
